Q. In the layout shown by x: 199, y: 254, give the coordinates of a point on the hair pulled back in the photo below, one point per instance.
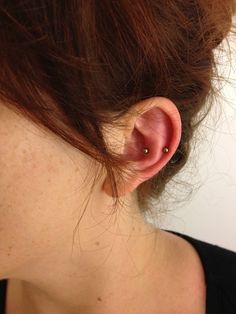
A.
x: 76, y: 66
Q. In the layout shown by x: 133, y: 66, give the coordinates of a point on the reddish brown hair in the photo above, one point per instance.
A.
x: 76, y: 66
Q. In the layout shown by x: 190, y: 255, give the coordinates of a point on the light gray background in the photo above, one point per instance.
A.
x: 209, y: 213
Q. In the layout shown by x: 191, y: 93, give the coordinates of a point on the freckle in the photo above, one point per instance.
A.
x: 97, y: 243
x: 133, y: 228
x: 99, y: 299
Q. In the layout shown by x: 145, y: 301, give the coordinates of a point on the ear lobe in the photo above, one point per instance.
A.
x: 158, y: 126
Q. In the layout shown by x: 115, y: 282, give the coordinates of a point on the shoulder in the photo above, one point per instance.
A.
x: 184, y: 256
x: 186, y: 278
x: 207, y: 269
x: 219, y: 267
x: 217, y: 261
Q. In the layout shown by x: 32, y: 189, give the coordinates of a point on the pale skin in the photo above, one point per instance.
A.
x: 119, y: 263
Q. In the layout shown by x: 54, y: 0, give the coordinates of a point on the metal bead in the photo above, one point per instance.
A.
x: 165, y: 150
x: 146, y: 151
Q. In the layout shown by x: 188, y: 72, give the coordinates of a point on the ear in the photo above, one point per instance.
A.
x: 153, y: 123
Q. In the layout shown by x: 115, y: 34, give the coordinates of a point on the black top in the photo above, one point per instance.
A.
x: 220, y: 274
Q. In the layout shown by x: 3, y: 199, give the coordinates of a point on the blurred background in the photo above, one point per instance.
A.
x: 201, y: 201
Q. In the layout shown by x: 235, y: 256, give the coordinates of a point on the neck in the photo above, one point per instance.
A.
x: 107, y: 260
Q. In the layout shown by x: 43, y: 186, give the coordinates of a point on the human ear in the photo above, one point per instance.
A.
x: 155, y: 124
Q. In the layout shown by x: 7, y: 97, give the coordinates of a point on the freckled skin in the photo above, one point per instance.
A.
x: 43, y: 188
x: 109, y: 261
x: 34, y: 193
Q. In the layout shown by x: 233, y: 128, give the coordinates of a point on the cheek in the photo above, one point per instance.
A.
x: 30, y: 185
